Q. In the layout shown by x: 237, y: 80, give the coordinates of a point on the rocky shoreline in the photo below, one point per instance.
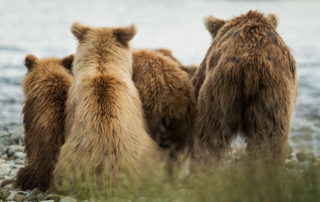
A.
x: 13, y: 157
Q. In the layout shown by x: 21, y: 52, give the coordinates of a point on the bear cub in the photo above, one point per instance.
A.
x: 168, y: 99
x: 246, y: 84
x: 45, y: 88
x: 106, y: 128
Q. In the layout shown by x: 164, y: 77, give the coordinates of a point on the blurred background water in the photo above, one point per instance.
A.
x: 42, y: 28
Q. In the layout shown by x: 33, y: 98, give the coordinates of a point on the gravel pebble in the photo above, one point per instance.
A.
x: 4, y: 169
x: 2, y: 148
x: 53, y: 197
x: 19, y: 155
x: 4, y: 194
x: 31, y: 197
x: 13, y: 158
x: 16, y: 148
x: 19, y: 162
x: 17, y: 135
x: 6, y: 141
x: 41, y: 197
x: 68, y: 199
x: 4, y: 157
x: 12, y: 194
x: 19, y: 197
x: 4, y: 132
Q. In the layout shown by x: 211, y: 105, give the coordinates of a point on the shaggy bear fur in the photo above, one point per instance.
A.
x: 45, y: 88
x: 190, y: 69
x: 246, y: 84
x: 108, y: 132
x: 168, y: 99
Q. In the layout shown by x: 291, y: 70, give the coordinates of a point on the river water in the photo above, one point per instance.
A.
x: 42, y: 28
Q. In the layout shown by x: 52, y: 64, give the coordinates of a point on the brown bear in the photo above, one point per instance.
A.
x: 246, y: 84
x: 108, y: 134
x: 45, y: 88
x: 190, y: 69
x: 168, y: 99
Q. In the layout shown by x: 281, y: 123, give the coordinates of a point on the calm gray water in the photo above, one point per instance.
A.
x: 42, y: 28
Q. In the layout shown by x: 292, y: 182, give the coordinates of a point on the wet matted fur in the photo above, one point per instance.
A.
x: 246, y: 84
x: 168, y: 99
x: 45, y: 89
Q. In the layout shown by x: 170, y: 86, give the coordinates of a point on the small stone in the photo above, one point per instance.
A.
x: 18, y: 135
x: 22, y: 192
x: 41, y: 197
x: 7, y: 141
x: 4, y: 194
x: 301, y: 156
x: 9, y: 153
x: 9, y: 186
x: 16, y: 148
x: 19, y: 155
x: 31, y: 197
x: 19, y: 162
x: 7, y: 181
x: 19, y: 197
x: 2, y: 148
x: 4, y: 132
x: 36, y: 191
x: 68, y: 199
x: 53, y: 197
x: 10, y: 197
x: 4, y: 157
x: 4, y: 169
x: 13, y: 173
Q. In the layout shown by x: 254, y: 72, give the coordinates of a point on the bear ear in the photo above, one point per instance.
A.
x: 29, y: 61
x: 213, y: 25
x: 125, y: 34
x: 273, y: 19
x: 79, y: 30
x: 67, y: 62
x: 164, y: 51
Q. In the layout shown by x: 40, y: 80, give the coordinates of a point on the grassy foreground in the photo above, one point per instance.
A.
x: 236, y: 180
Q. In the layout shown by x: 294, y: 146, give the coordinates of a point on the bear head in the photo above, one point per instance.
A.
x: 215, y: 25
x: 102, y: 45
x: 31, y: 62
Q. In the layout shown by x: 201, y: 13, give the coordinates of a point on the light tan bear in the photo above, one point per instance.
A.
x: 246, y: 84
x: 45, y: 88
x: 108, y: 134
x: 168, y: 99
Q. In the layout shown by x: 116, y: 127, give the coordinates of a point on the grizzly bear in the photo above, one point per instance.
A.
x: 108, y: 135
x: 168, y: 99
x: 246, y: 84
x: 45, y: 88
x: 190, y: 69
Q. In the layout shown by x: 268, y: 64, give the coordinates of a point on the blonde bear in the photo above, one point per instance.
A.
x: 106, y: 130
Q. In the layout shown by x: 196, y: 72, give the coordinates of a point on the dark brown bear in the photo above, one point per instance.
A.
x: 246, y: 84
x: 168, y: 99
x: 45, y: 88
